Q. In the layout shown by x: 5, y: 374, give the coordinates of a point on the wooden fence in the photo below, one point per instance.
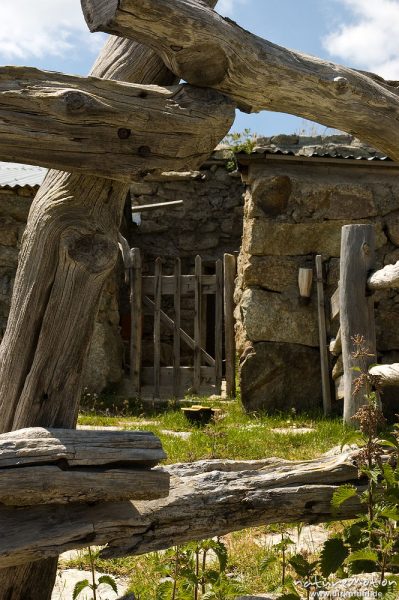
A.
x: 205, y: 374
x: 353, y: 304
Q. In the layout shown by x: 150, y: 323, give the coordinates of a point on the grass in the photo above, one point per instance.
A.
x: 236, y: 435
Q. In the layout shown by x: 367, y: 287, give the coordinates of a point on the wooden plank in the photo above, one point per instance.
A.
x: 136, y: 311
x: 176, y: 328
x: 157, y: 325
x: 325, y: 376
x: 187, y: 284
x: 197, y: 324
x: 386, y: 278
x: 183, y: 334
x: 77, y: 448
x: 335, y: 304
x: 230, y: 343
x: 356, y: 308
x: 219, y: 327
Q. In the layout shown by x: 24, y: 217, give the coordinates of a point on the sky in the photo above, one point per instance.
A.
x: 52, y: 35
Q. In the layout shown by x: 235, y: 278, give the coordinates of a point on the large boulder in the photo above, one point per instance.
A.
x: 278, y: 377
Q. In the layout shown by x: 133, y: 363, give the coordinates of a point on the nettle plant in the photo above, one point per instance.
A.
x: 370, y: 543
x: 244, y: 141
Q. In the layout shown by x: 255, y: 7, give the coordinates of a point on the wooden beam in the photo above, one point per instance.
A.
x: 156, y: 205
x: 106, y: 128
x: 385, y: 278
x: 215, y: 52
x: 197, y: 324
x: 325, y: 371
x: 230, y: 271
x: 207, y: 499
x: 356, y: 308
x: 157, y: 326
x: 176, y: 326
x: 136, y: 319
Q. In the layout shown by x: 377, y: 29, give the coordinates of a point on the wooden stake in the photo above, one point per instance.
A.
x: 230, y: 344
x: 136, y: 319
x: 157, y: 326
x: 356, y: 308
x: 176, y: 328
x: 325, y: 375
x: 197, y: 325
x: 219, y: 327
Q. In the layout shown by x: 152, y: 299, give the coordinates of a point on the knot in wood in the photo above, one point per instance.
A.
x: 75, y: 101
x: 144, y: 151
x: 95, y: 252
x: 341, y: 84
x: 124, y: 133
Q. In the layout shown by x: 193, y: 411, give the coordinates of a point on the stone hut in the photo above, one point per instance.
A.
x: 299, y: 193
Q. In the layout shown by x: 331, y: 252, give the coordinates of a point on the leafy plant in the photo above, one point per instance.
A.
x: 94, y: 585
x: 244, y: 141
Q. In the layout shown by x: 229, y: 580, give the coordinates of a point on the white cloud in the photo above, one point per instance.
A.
x: 227, y: 7
x: 42, y: 27
x: 371, y: 41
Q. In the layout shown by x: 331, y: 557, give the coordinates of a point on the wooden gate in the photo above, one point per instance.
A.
x: 205, y: 373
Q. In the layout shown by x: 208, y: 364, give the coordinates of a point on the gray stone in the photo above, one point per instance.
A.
x: 265, y: 237
x: 392, y: 222
x: 271, y: 194
x: 278, y: 377
x: 275, y: 317
x: 14, y: 205
x: 275, y: 273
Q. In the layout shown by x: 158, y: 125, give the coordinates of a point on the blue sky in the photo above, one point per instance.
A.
x: 51, y: 34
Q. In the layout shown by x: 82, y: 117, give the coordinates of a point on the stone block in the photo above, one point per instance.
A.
x: 8, y: 232
x: 392, y: 223
x: 15, y: 206
x: 275, y: 273
x: 278, y: 317
x: 104, y: 363
x: 271, y: 194
x: 265, y: 237
x: 278, y: 377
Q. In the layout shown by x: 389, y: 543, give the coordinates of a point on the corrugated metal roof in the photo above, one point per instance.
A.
x: 14, y: 174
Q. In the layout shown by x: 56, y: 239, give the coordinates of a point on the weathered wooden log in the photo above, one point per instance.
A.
x: 107, y: 128
x: 44, y: 466
x: 356, y: 309
x: 215, y: 52
x: 207, y: 498
x: 388, y: 374
x: 385, y: 278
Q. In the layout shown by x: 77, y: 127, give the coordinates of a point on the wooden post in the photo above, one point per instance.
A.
x: 136, y: 312
x: 325, y: 376
x: 157, y: 326
x: 176, y: 328
x: 197, y: 325
x: 356, y: 308
x: 218, y: 327
x: 230, y: 343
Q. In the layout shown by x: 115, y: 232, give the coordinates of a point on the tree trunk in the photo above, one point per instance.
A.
x: 69, y: 248
x: 207, y: 50
x: 107, y: 128
x: 206, y: 499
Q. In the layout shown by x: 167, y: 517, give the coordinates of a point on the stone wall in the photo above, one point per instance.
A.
x: 295, y: 207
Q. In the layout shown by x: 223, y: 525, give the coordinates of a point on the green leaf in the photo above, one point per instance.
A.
x: 364, y: 554
x: 356, y: 369
x: 389, y: 474
x: 332, y: 556
x: 79, y: 587
x: 303, y: 567
x: 163, y: 590
x: 266, y: 562
x: 342, y: 494
x: 108, y: 580
x: 221, y: 552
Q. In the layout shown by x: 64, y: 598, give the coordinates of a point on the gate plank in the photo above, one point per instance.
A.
x: 230, y: 345
x: 136, y: 319
x: 176, y: 328
x: 197, y: 324
x: 219, y: 327
x: 157, y: 325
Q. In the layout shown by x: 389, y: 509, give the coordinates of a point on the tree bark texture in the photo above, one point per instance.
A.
x: 207, y: 50
x: 208, y: 498
x: 107, y: 128
x: 68, y: 250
